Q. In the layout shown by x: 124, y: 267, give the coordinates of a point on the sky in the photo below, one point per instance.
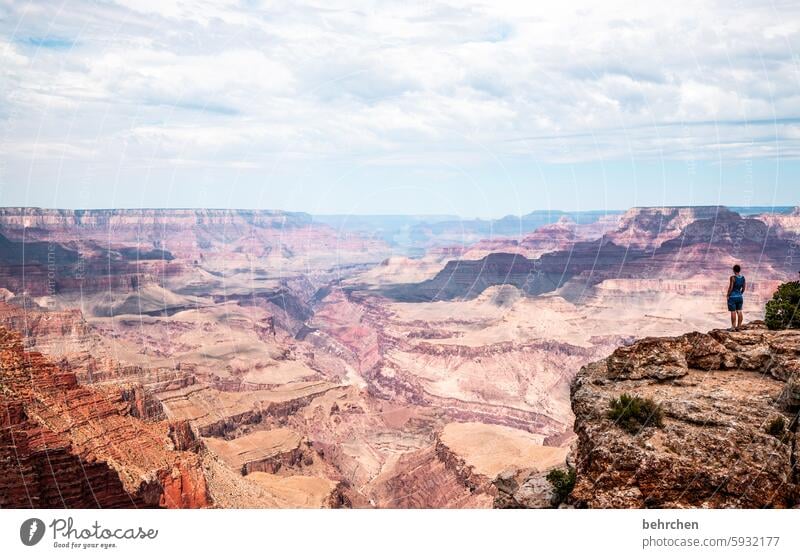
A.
x: 477, y: 109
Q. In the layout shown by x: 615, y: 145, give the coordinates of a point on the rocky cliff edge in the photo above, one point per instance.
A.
x: 727, y: 434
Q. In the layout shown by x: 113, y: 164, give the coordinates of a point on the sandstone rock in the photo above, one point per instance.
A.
x: 652, y: 358
x: 299, y: 491
x: 713, y: 449
x: 431, y: 478
x: 64, y: 445
x: 649, y: 227
x: 260, y: 451
x: 787, y: 225
x: 183, y: 437
x: 790, y: 395
x: 122, y: 249
x: 142, y: 403
x: 706, y: 353
x: 523, y: 489
x: 236, y: 322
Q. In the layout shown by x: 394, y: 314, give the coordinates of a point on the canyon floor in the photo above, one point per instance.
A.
x: 286, y: 363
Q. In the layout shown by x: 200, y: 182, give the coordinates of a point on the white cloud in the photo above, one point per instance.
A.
x: 231, y: 81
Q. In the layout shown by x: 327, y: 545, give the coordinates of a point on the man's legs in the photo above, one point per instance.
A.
x: 740, y: 317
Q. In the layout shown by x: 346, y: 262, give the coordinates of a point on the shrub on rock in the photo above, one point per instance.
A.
x: 563, y: 481
x: 783, y: 311
x: 633, y: 413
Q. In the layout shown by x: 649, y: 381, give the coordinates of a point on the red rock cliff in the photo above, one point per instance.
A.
x: 65, y: 445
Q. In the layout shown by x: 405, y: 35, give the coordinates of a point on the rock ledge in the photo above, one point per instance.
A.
x: 720, y: 392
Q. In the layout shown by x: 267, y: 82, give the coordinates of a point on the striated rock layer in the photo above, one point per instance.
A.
x: 64, y: 445
x: 728, y: 438
x: 311, y: 366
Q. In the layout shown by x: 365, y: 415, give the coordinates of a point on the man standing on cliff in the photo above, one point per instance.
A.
x: 735, y: 295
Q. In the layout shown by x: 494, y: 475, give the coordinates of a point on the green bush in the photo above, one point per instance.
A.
x: 777, y: 427
x: 563, y: 481
x: 783, y: 311
x: 632, y: 413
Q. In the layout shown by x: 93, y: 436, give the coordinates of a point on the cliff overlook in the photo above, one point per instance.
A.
x: 724, y: 432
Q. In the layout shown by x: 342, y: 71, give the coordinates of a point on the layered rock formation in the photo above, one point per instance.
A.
x: 463, y: 231
x: 63, y: 445
x: 786, y: 224
x: 468, y: 466
x: 729, y: 432
x: 123, y: 249
x: 648, y: 228
x: 305, y: 366
x: 649, y: 243
x: 547, y: 238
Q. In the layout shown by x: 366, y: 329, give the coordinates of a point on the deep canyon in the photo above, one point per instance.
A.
x: 251, y: 358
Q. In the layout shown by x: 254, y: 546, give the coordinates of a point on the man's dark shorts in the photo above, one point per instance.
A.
x: 735, y: 303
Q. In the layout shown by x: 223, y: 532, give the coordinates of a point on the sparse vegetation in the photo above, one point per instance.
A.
x: 563, y: 481
x: 783, y: 311
x: 632, y: 413
x: 777, y: 427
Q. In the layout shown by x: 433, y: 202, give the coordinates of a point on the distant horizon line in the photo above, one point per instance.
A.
x: 415, y: 215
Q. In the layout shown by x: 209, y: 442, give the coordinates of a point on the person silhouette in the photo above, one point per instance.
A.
x: 735, y: 296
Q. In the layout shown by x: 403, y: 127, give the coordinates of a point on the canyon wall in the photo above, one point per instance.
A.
x: 288, y: 364
x: 64, y: 445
